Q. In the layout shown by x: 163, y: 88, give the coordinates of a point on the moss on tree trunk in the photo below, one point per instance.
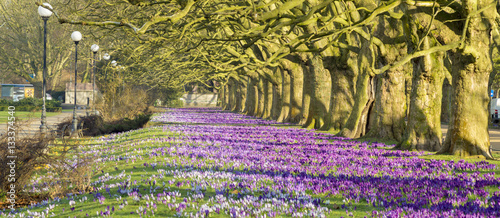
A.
x: 277, y: 95
x: 320, y: 88
x: 423, y: 130
x: 260, y: 97
x: 242, y: 95
x: 446, y: 101
x: 471, y: 66
x: 251, y: 100
x: 285, y: 90
x: 341, y: 99
x: 356, y: 124
x: 387, y: 117
x: 268, y: 99
x: 294, y: 69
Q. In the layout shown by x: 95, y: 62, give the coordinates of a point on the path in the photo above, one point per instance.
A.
x: 34, y: 125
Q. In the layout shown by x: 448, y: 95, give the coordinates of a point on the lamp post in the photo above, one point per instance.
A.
x: 45, y: 15
x: 94, y: 49
x: 76, y: 37
x: 106, y: 58
x: 113, y: 64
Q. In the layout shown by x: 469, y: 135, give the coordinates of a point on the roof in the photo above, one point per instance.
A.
x: 17, y: 85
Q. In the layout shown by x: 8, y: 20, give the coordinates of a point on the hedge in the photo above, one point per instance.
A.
x: 30, y: 102
x: 32, y: 108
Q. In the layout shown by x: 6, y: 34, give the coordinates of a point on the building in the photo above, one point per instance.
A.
x: 199, y: 100
x: 83, y: 93
x: 17, y: 92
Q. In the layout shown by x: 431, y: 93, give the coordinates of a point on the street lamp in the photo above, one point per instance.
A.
x: 76, y: 37
x: 45, y: 15
x: 113, y: 64
x: 94, y: 49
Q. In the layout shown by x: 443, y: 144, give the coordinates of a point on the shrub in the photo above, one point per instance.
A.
x: 30, y: 102
x: 95, y: 125
x: 125, y: 103
x: 34, y: 154
x: 52, y: 103
x: 53, y: 109
x: 32, y: 108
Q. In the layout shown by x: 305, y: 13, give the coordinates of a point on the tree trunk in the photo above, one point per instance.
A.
x: 341, y: 99
x: 356, y: 124
x: 268, y: 99
x: 320, y: 99
x: 284, y: 113
x: 251, y: 100
x: 222, y: 99
x: 260, y: 97
x: 242, y: 95
x: 232, y: 94
x: 295, y: 70
x: 277, y: 96
x: 227, y: 101
x: 468, y: 129
x: 446, y: 101
x: 423, y: 130
x: 388, y: 113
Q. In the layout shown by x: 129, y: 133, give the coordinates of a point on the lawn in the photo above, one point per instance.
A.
x: 23, y: 115
x: 229, y: 165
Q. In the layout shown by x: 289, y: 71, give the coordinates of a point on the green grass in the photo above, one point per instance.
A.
x: 121, y: 147
x: 24, y: 115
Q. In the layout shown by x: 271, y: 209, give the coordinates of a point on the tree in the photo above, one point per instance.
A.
x: 21, y: 47
x: 373, y: 46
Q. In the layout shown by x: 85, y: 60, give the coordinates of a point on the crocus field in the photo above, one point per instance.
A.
x: 205, y: 162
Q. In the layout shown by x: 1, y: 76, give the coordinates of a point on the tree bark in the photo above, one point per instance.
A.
x: 468, y: 129
x: 320, y: 99
x: 233, y: 92
x: 260, y: 97
x: 423, y: 131
x: 284, y: 113
x: 294, y: 68
x: 242, y: 95
x: 446, y: 101
x: 277, y: 95
x: 268, y: 98
x: 388, y: 113
x: 356, y: 124
x: 251, y: 100
x: 387, y: 117
x: 227, y: 100
x: 341, y: 99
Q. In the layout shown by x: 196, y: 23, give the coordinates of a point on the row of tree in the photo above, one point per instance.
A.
x: 361, y: 67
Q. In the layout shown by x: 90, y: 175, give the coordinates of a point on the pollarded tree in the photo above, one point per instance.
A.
x: 471, y: 67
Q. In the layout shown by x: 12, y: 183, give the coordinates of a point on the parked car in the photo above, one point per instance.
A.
x: 48, y: 96
x: 494, y: 109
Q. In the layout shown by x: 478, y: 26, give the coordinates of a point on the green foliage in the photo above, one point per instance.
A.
x: 96, y: 125
x: 32, y: 108
x: 31, y: 104
x: 126, y: 124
